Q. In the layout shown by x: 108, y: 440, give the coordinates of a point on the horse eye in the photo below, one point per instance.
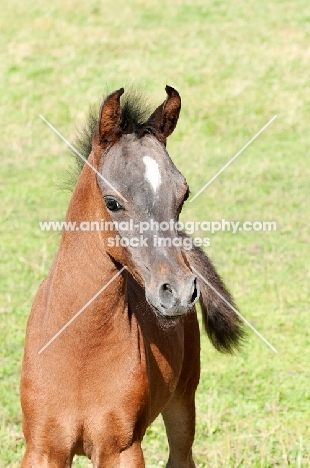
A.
x: 112, y: 204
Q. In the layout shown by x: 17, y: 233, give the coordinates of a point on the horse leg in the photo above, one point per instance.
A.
x: 131, y: 457
x: 33, y: 459
x: 179, y: 419
x: 44, y: 453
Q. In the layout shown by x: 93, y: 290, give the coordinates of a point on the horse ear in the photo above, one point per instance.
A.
x: 110, y: 118
x: 164, y: 120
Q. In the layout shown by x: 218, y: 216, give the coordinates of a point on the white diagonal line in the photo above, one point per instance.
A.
x: 81, y: 156
x: 81, y: 310
x: 232, y: 159
x: 235, y: 310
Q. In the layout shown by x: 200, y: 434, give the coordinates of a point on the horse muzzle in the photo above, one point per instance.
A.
x: 174, y: 299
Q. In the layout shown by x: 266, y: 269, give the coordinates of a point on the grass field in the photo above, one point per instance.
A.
x: 236, y: 64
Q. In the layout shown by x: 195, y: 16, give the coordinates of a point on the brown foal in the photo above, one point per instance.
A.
x: 134, y: 352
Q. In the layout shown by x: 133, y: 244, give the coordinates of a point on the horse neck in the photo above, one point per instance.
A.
x: 82, y: 267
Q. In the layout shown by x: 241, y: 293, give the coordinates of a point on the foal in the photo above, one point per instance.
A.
x: 134, y: 351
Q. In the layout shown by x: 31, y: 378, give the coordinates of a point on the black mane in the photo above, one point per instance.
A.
x: 136, y: 109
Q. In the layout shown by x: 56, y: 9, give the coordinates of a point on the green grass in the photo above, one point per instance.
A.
x: 236, y: 64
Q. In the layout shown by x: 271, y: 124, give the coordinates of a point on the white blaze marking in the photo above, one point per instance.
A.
x: 152, y: 173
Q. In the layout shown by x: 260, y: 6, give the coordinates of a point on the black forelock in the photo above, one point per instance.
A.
x: 136, y: 109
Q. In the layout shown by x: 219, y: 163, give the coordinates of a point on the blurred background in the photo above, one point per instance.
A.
x: 236, y: 65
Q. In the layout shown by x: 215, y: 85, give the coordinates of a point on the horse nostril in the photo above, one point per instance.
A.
x: 167, y: 287
x: 167, y: 295
x: 195, y: 291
